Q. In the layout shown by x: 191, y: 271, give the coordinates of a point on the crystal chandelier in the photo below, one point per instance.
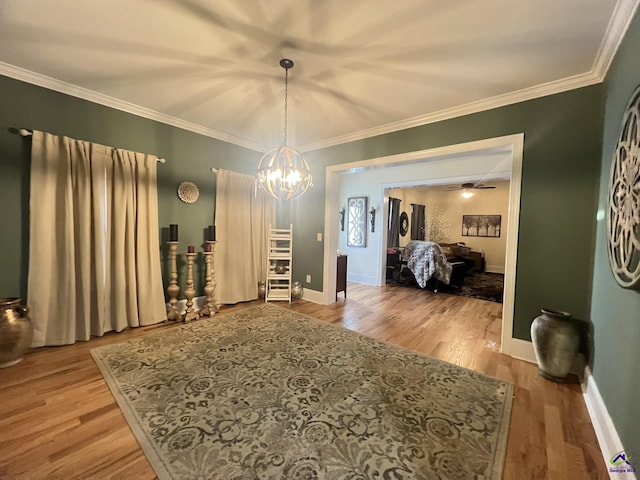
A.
x: 283, y: 172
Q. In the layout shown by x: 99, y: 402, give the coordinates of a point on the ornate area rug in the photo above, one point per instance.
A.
x: 268, y: 393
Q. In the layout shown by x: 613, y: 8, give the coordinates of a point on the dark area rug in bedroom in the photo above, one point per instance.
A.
x: 481, y: 285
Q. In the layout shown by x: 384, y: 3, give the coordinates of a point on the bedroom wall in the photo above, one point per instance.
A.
x: 189, y: 158
x: 407, y: 196
x: 444, y: 212
x: 615, y: 311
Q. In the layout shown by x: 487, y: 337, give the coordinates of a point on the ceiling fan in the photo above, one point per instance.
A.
x: 469, y: 186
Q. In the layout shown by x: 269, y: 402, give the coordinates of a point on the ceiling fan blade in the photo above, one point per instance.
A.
x: 468, y: 186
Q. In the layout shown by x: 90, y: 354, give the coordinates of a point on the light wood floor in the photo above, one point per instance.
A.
x: 58, y: 418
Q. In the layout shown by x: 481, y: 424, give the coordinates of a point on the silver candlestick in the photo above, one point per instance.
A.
x: 173, y: 289
x: 210, y: 283
x: 189, y: 291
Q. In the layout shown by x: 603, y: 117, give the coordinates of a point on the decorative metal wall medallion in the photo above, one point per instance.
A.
x: 623, y: 215
x: 188, y: 192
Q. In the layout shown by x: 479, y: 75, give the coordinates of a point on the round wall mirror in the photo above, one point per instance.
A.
x: 404, y: 223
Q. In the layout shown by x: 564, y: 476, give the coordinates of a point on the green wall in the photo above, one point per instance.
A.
x: 615, y: 311
x: 559, y: 182
x: 189, y: 158
x: 559, y: 191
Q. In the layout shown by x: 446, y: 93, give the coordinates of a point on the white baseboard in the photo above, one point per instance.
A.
x: 199, y: 302
x: 610, y: 444
x: 520, y: 349
x: 313, y: 296
x: 365, y: 279
x: 494, y: 269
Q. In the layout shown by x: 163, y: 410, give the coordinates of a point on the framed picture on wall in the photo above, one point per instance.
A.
x: 357, y: 222
x: 481, y: 225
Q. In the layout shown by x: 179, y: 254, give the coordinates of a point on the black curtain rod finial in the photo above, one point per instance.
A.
x: 21, y: 131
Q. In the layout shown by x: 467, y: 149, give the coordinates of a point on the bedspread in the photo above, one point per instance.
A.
x: 426, y: 260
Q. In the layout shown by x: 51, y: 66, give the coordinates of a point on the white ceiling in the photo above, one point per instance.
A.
x: 361, y: 67
x: 456, y: 188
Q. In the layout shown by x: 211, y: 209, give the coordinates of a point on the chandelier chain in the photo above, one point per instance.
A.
x: 286, y: 102
x: 283, y: 172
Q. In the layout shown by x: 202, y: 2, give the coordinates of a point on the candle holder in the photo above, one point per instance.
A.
x: 173, y: 289
x: 189, y: 291
x: 210, y: 308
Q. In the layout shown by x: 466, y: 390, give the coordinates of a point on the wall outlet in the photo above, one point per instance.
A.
x: 308, y: 279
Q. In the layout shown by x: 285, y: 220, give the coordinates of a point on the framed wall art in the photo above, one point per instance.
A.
x: 481, y: 225
x: 357, y: 222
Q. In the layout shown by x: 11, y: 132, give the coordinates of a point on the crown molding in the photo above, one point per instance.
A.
x: 75, y: 91
x: 622, y: 16
x: 550, y: 88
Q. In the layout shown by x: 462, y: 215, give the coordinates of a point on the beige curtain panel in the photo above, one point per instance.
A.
x: 243, y: 216
x: 94, y: 258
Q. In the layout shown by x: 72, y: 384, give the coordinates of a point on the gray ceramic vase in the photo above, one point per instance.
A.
x: 555, y: 342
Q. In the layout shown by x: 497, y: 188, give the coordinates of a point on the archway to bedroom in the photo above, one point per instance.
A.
x: 491, y: 160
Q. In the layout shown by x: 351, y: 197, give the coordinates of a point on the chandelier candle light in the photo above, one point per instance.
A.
x: 283, y: 172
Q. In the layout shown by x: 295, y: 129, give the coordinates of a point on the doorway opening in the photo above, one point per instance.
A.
x: 495, y: 158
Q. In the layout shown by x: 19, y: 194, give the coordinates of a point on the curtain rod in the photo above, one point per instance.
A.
x: 218, y: 170
x: 25, y: 132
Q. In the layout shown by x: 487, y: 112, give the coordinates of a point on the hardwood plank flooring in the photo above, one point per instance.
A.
x: 59, y: 420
